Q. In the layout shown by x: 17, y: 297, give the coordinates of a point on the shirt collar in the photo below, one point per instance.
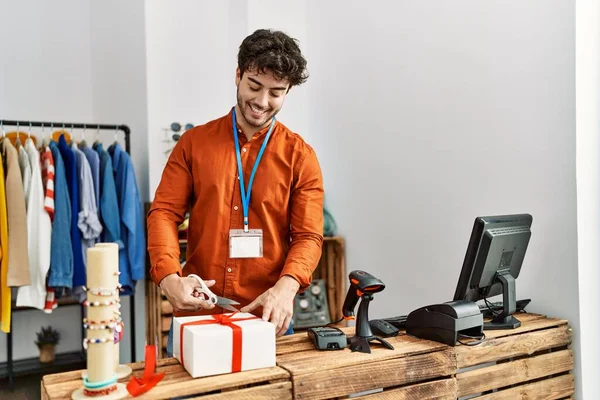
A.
x: 116, y: 152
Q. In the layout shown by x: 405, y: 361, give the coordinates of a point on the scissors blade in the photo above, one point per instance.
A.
x: 227, y: 303
x: 228, y: 307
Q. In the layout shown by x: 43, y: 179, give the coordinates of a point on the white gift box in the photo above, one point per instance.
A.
x: 209, y: 349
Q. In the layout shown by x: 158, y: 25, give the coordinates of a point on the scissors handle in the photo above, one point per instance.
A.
x: 203, y: 289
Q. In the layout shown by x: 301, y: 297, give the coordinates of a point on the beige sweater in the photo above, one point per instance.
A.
x: 18, y: 258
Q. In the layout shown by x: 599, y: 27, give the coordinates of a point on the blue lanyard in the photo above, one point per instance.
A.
x: 246, y: 196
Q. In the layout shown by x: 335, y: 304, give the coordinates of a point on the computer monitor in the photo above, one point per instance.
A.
x: 492, y: 263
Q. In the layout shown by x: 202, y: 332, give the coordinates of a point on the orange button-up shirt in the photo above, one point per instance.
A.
x: 286, y: 203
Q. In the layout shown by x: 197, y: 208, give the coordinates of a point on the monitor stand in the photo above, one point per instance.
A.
x: 505, y: 319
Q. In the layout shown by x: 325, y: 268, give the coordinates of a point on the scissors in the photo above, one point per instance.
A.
x: 210, y: 297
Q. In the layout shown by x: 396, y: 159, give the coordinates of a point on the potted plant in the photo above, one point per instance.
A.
x: 47, y: 340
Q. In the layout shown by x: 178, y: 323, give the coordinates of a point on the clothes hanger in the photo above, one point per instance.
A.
x: 82, y: 144
x: 31, y: 137
x: 56, y: 135
x: 97, y: 141
x: 18, y: 140
x: 43, y: 145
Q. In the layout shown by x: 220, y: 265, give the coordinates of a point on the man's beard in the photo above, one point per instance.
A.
x: 251, y: 122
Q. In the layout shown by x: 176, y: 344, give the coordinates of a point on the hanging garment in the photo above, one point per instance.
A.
x: 73, y: 185
x: 88, y: 221
x: 94, y: 161
x: 25, y: 168
x: 5, y: 293
x: 61, y: 252
x: 109, y: 205
x: 39, y: 233
x: 132, y: 222
x: 47, y: 163
x: 18, y: 275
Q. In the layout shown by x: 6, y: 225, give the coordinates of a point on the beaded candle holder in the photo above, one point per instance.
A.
x: 101, y: 323
x: 123, y: 371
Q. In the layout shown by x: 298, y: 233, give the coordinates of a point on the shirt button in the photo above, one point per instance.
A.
x: 228, y: 269
x: 235, y: 208
x: 244, y: 149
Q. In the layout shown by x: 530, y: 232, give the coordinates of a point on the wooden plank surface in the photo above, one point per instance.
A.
x: 514, y: 372
x: 274, y: 391
x: 444, y: 389
x: 548, y: 389
x: 177, y: 382
x: 512, y: 346
x: 304, y: 362
x: 325, y: 383
x: 316, y: 374
x: 529, y: 323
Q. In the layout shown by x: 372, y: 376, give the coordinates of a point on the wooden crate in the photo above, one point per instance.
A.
x: 532, y: 362
x: 335, y: 374
x: 332, y: 268
x: 269, y: 383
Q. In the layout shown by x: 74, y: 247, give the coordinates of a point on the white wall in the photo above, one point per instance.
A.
x: 588, y: 189
x: 77, y: 61
x: 432, y: 114
x: 191, y: 58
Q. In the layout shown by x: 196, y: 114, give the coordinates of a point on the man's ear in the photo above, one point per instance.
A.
x: 238, y: 77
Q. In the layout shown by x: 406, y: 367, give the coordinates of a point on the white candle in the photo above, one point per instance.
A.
x: 114, y: 253
x: 100, y: 356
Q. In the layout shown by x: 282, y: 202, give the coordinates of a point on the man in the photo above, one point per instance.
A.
x: 259, y: 244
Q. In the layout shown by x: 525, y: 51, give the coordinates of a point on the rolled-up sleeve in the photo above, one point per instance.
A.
x: 306, y: 206
x: 168, y: 211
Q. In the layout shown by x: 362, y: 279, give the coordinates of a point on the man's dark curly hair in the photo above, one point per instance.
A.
x: 268, y: 50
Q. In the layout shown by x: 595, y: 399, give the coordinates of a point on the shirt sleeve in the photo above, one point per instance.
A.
x: 306, y: 206
x: 170, y: 204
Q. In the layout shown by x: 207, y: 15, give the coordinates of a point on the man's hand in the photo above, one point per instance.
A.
x: 180, y: 293
x: 277, y: 303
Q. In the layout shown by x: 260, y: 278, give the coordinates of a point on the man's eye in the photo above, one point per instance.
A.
x: 275, y: 94
x: 254, y: 89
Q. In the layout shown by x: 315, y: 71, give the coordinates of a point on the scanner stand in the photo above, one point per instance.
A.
x: 446, y: 322
x: 505, y: 319
x: 364, y: 335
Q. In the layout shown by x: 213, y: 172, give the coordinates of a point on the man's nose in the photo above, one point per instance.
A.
x: 263, y: 99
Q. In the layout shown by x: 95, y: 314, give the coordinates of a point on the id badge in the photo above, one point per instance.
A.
x: 245, y: 244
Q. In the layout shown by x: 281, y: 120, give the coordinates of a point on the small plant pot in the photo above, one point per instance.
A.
x: 47, y: 353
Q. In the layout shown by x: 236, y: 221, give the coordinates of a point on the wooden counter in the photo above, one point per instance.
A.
x: 533, y: 362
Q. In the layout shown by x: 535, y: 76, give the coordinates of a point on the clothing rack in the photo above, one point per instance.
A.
x: 68, y: 125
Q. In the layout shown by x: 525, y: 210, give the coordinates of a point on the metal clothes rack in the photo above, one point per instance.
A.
x: 69, y: 125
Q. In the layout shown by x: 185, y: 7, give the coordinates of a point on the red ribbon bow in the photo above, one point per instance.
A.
x: 226, y: 320
x: 137, y: 386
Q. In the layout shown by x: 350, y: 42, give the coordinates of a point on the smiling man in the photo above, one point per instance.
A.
x: 254, y: 193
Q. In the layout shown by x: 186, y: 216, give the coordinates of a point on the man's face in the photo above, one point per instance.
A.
x: 259, y: 96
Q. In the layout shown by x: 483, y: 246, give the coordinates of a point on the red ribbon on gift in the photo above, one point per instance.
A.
x: 226, y: 320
